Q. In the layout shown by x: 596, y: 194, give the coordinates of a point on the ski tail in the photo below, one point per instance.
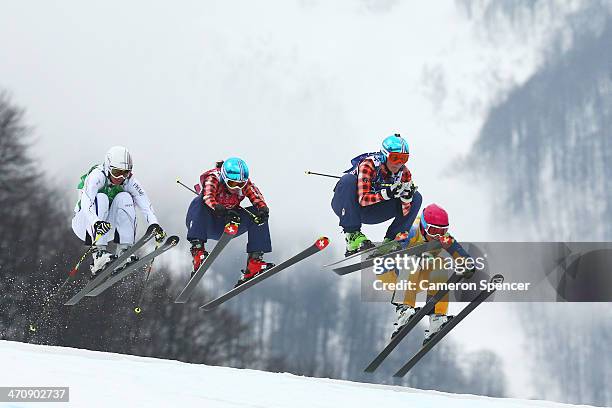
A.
x: 367, y: 251
x: 411, y: 251
x: 230, y: 231
x: 435, y: 339
x: 170, y: 242
x: 414, y: 320
x: 319, y: 245
x: 109, y: 269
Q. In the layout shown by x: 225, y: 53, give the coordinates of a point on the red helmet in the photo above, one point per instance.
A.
x: 434, y: 220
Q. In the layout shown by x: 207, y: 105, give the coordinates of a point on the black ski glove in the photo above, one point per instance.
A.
x: 407, y: 194
x: 160, y: 234
x: 102, y: 227
x: 405, y: 191
x: 391, y: 191
x: 263, y: 214
x: 232, y: 216
x: 219, y: 210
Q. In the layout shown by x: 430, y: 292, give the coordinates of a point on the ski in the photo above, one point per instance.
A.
x: 319, y: 245
x: 412, y: 322
x: 364, y: 252
x: 414, y: 250
x: 446, y: 328
x: 102, y: 275
x: 230, y: 231
x: 170, y: 243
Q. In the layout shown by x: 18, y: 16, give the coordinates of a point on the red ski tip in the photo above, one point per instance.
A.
x: 401, y: 236
x: 322, y: 243
x: 72, y: 273
x: 231, y: 228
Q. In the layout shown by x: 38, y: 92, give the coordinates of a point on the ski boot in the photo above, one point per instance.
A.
x: 121, y: 248
x: 199, y: 255
x: 390, y: 245
x: 404, y: 313
x: 255, y: 266
x: 101, y: 259
x: 356, y: 242
x: 436, y: 322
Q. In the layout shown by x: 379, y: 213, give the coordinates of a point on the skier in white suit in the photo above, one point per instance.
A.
x: 107, y: 195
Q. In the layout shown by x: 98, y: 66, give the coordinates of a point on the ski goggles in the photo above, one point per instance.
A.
x: 435, y: 231
x: 397, y: 158
x: 120, y: 173
x: 236, y: 184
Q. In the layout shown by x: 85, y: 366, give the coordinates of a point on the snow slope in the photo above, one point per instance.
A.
x: 105, y: 379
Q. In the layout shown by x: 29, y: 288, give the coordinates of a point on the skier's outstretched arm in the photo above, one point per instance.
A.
x: 141, y: 200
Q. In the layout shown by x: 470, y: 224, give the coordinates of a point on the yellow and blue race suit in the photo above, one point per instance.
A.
x: 429, y: 273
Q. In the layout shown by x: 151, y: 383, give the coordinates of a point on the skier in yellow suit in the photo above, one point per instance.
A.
x: 431, y: 225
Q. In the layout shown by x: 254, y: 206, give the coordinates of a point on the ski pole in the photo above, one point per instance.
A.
x: 178, y: 181
x: 255, y: 217
x: 337, y: 177
x: 74, y: 270
x: 321, y: 174
x: 138, y: 309
x: 71, y: 275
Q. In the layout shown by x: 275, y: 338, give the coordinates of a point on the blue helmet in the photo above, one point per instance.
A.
x: 234, y: 172
x: 393, y: 144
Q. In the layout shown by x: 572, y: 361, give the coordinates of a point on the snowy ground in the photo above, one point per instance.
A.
x: 113, y: 380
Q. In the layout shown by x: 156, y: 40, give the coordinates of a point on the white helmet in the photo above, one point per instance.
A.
x: 120, y: 159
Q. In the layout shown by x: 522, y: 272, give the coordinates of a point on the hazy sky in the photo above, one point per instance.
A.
x: 287, y: 85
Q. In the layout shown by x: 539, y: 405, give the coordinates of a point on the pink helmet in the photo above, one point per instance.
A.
x: 434, y: 220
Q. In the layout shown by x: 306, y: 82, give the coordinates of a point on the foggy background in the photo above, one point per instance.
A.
x: 506, y: 107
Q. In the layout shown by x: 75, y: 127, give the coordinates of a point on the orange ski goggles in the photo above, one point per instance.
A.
x: 397, y: 158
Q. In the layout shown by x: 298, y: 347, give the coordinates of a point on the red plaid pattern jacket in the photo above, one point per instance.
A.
x: 215, y: 192
x: 366, y: 173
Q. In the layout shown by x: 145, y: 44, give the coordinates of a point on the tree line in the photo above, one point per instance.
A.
x: 307, y: 329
